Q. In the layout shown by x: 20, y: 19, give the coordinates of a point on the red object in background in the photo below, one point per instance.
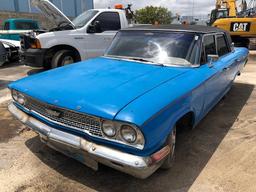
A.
x: 119, y: 6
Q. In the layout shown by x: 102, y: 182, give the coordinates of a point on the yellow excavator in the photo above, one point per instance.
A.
x: 242, y: 27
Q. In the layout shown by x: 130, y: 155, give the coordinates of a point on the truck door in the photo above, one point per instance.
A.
x: 96, y: 43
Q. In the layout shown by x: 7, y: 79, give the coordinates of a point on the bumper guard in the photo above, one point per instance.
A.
x: 90, y: 153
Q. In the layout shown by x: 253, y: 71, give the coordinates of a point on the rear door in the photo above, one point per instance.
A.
x: 216, y: 79
x: 227, y: 59
x: 97, y: 43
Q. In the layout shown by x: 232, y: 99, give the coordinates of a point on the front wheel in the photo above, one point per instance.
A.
x: 62, y: 58
x: 171, y: 142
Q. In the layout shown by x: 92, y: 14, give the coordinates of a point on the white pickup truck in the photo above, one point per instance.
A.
x: 87, y: 36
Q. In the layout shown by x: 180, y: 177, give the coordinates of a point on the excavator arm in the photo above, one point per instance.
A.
x: 230, y: 5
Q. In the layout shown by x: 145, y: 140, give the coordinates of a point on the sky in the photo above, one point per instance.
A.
x: 182, y: 7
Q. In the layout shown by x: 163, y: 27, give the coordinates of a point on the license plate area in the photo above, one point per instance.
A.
x: 240, y: 26
x: 79, y: 155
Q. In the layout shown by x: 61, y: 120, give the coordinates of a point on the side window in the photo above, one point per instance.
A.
x: 25, y: 25
x: 209, y: 47
x: 7, y: 26
x: 222, y: 46
x: 109, y: 21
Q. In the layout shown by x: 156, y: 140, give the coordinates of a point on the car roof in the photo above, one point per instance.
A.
x: 177, y: 27
x: 201, y: 29
x: 21, y: 19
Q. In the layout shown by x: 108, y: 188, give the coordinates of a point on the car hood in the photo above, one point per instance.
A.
x: 10, y: 43
x: 51, y: 12
x: 100, y: 87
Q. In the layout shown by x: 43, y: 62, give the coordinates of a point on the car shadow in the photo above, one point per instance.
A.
x: 35, y: 71
x: 194, y: 150
x: 10, y: 64
x: 4, y: 84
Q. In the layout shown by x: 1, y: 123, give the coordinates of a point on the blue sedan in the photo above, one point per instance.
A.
x: 123, y: 109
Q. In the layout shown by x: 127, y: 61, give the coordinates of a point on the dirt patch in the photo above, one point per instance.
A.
x: 9, y: 128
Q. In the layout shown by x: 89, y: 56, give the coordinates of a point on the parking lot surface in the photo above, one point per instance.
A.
x: 218, y: 155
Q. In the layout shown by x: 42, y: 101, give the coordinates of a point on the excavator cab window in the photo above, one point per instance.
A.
x: 217, y: 14
x: 222, y: 14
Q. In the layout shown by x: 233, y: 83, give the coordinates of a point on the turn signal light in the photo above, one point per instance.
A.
x: 36, y: 44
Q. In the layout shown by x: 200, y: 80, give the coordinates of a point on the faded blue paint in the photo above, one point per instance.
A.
x: 88, y: 4
x: 71, y: 8
x: 16, y: 5
x: 7, y: 5
x: 23, y: 5
x: 57, y: 3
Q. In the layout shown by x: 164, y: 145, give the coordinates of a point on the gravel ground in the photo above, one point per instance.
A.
x: 218, y: 155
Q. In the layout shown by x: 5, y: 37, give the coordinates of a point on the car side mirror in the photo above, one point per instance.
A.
x: 211, y: 59
x: 95, y: 27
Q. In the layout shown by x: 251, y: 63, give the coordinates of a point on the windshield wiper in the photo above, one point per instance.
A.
x: 140, y: 59
x: 145, y: 60
x: 135, y: 59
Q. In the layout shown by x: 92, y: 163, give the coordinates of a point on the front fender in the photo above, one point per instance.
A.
x: 157, y: 129
x: 67, y: 38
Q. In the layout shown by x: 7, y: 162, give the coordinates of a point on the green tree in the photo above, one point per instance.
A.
x: 153, y: 15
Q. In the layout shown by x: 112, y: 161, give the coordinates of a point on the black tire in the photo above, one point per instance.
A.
x: 63, y: 57
x: 171, y: 141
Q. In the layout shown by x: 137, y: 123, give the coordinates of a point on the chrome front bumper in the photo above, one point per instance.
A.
x: 90, y: 153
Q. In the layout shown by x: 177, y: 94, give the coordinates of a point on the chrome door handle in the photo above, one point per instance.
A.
x: 238, y: 60
x: 226, y: 69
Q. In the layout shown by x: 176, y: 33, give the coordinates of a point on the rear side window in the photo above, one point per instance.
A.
x: 7, y: 26
x: 209, y: 47
x: 222, y: 46
x: 109, y: 21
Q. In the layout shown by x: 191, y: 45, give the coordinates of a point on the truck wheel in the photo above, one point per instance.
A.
x: 62, y: 58
x: 171, y: 141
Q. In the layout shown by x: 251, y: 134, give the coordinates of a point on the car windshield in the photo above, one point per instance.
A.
x: 84, y: 18
x: 164, y: 48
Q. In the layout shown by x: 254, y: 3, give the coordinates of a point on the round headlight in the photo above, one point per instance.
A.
x: 108, y: 129
x: 128, y: 134
x: 15, y: 95
x: 21, y: 99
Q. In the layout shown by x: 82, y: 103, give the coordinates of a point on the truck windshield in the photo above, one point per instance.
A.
x: 164, y: 48
x: 84, y: 18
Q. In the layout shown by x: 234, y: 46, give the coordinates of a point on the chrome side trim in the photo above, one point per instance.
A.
x: 138, y: 166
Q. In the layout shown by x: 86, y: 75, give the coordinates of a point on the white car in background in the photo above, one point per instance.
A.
x: 87, y: 36
x: 9, y: 50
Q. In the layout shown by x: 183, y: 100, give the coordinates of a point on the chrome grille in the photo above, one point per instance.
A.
x: 66, y: 117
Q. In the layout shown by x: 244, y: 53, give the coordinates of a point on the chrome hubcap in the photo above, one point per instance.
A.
x: 67, y: 60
